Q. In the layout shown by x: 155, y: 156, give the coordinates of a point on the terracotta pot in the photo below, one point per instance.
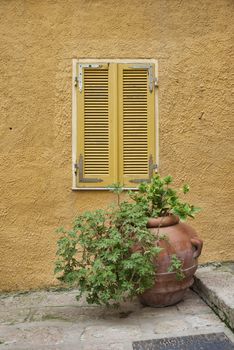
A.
x: 182, y: 241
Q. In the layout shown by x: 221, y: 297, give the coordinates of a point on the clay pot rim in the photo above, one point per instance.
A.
x: 163, y: 221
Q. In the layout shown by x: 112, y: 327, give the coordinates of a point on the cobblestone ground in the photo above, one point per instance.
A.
x: 55, y: 320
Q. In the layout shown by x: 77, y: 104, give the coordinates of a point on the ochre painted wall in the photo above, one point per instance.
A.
x: 192, y: 41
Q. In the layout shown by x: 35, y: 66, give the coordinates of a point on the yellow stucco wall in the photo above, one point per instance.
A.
x: 38, y: 39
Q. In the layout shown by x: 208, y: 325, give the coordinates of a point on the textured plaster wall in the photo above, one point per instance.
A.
x: 192, y: 41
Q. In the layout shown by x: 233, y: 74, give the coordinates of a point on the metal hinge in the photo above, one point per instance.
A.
x: 79, y: 79
x: 78, y: 170
x: 76, y: 82
x: 76, y: 167
x: 153, y: 82
x: 153, y: 168
x: 151, y: 78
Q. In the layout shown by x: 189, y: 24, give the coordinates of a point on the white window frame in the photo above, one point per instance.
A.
x: 75, y: 62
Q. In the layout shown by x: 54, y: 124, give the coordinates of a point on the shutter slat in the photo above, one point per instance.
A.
x: 136, y: 111
x: 139, y: 88
x: 96, y: 96
x: 96, y: 127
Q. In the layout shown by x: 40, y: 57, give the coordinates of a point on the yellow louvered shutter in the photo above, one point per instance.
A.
x: 136, y: 113
x: 96, y: 153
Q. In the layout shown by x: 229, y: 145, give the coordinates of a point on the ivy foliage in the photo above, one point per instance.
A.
x: 110, y: 254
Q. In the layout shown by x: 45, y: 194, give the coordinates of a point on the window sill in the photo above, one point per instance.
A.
x: 101, y: 189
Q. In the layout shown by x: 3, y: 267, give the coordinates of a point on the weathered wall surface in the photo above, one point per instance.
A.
x: 192, y: 41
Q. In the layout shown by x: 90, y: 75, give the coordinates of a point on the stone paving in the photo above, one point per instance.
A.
x: 54, y: 320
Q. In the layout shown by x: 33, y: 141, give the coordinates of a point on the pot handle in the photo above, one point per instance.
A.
x: 197, y: 244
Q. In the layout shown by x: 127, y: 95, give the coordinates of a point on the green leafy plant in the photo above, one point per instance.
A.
x: 110, y: 254
x: 158, y: 199
x: 176, y: 266
x: 117, y: 189
x: 116, y: 255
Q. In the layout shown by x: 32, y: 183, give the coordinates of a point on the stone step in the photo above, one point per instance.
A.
x: 215, y: 285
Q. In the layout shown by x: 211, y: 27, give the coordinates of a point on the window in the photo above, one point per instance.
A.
x: 114, y: 124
